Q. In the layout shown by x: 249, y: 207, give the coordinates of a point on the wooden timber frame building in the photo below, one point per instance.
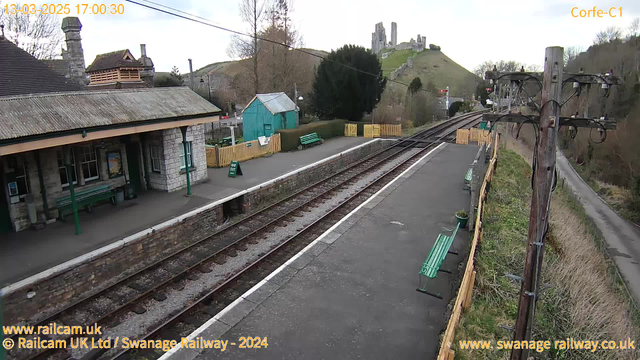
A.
x: 54, y: 140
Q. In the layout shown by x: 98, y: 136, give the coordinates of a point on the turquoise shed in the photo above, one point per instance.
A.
x: 267, y: 113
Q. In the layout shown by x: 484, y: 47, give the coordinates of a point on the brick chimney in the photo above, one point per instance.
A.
x: 148, y: 72
x: 74, y: 55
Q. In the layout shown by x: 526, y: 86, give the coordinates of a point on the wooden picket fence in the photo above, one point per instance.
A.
x: 463, y: 300
x: 390, y: 130
x: 462, y: 136
x: 223, y: 156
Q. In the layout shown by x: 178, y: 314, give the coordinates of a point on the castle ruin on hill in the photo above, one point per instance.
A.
x: 379, y: 40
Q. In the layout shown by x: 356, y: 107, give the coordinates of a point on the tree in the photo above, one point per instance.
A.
x: 571, y: 53
x: 415, y: 86
x: 504, y: 66
x: 340, y: 91
x: 173, y: 79
x: 610, y: 34
x: 38, y: 34
x: 252, y: 13
x: 280, y: 66
x: 634, y: 28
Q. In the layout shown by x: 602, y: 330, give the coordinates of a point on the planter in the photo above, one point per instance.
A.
x: 462, y: 221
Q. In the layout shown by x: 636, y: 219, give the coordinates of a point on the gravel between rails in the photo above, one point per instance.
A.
x: 133, y: 325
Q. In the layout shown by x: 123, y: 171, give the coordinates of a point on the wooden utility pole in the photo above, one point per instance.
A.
x: 543, y: 177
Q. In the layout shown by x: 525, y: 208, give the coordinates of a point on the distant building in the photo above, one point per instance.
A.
x: 128, y: 138
x: 379, y: 40
x: 394, y: 34
x: 118, y: 67
x: 267, y: 113
x: 114, y: 70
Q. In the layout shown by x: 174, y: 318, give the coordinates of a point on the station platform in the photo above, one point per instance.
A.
x: 352, y: 292
x: 28, y: 252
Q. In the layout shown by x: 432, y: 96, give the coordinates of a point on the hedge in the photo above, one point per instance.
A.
x: 290, y: 138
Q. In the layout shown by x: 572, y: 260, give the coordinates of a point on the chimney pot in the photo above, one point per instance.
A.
x: 143, y: 50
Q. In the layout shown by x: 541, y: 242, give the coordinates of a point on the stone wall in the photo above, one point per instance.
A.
x: 297, y: 181
x: 51, y: 176
x: 172, y: 143
x: 97, y: 271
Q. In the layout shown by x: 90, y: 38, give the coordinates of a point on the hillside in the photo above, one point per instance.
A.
x: 434, y: 66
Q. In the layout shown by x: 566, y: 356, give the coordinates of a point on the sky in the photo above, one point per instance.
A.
x: 469, y: 32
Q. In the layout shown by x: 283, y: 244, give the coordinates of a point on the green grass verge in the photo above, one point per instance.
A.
x: 502, y: 252
x: 394, y: 60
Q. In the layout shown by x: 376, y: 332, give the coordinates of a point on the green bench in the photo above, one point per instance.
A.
x: 309, y: 139
x: 435, y: 259
x: 85, y: 199
x: 467, y: 178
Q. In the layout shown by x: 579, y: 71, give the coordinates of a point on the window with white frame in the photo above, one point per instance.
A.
x: 189, y: 155
x: 156, y: 157
x: 62, y: 169
x: 89, y: 163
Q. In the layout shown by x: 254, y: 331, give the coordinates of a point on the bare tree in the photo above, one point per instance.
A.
x: 504, y: 66
x: 38, y: 34
x: 634, y: 28
x: 252, y: 13
x: 609, y: 34
x: 571, y: 53
x: 282, y: 65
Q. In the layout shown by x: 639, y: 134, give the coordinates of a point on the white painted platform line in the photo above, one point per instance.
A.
x: 135, y: 237
x: 257, y: 286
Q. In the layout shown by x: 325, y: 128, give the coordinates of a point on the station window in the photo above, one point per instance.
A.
x: 64, y: 180
x: 89, y: 163
x: 19, y: 166
x: 189, y: 155
x: 156, y: 157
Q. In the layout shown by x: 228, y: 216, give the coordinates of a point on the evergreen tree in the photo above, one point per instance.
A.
x: 341, y: 91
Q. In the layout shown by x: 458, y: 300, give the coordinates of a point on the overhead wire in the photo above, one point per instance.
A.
x: 207, y: 22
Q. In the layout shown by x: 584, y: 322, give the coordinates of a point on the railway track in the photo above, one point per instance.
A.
x: 110, y: 307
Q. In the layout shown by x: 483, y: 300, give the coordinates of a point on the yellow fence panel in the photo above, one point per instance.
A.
x: 462, y: 136
x: 221, y: 157
x: 351, y: 130
x: 479, y: 135
x: 372, y: 131
x: 390, y: 130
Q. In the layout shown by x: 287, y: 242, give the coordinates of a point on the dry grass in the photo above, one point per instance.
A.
x: 597, y: 310
x: 584, y: 300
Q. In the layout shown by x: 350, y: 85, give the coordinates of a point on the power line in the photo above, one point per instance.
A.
x: 207, y: 22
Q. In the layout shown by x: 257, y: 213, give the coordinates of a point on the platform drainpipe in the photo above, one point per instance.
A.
x: 72, y: 194
x: 186, y: 160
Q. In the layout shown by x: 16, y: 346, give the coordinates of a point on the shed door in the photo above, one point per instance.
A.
x: 268, y: 130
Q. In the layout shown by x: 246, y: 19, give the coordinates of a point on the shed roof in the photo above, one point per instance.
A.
x: 275, y: 102
x: 21, y: 73
x: 31, y: 115
x: 114, y: 60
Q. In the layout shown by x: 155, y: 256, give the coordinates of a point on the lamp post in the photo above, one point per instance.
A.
x: 208, y: 85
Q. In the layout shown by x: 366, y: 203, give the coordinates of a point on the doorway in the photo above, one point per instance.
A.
x: 5, y: 216
x: 133, y: 162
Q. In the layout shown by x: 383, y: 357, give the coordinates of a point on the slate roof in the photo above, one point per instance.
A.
x: 58, y: 65
x: 30, y: 115
x: 275, y: 102
x: 113, y: 60
x: 21, y: 73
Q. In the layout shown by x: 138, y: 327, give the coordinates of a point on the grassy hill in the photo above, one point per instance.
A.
x: 434, y: 66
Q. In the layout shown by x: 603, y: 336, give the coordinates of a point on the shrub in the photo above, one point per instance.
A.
x: 434, y: 47
x: 290, y: 138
